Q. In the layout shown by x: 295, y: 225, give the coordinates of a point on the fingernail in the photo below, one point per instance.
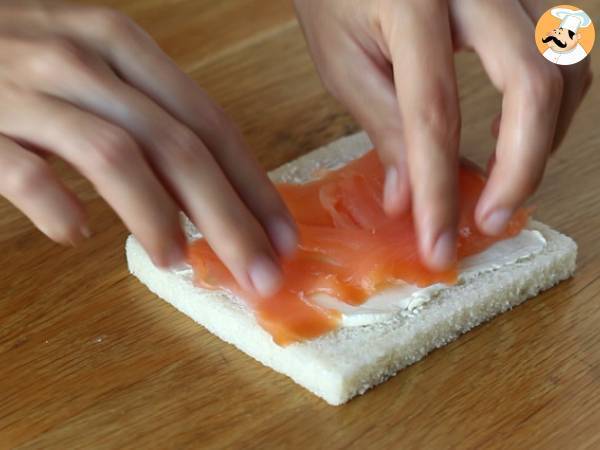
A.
x: 283, y: 236
x: 443, y: 252
x: 85, y: 231
x: 75, y: 239
x: 176, y: 257
x: 390, y: 188
x: 496, y: 222
x: 265, y: 275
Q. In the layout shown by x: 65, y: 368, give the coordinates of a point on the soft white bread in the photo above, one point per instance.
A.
x: 347, y: 362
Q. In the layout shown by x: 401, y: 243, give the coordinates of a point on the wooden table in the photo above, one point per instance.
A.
x: 89, y: 358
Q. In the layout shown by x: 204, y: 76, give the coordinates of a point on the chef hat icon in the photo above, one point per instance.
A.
x: 570, y: 19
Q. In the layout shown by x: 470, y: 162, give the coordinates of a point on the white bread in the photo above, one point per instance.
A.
x: 349, y: 361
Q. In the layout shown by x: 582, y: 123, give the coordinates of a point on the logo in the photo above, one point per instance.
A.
x: 565, y: 35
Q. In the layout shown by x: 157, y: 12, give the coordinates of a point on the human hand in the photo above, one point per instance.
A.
x: 88, y: 85
x: 391, y: 64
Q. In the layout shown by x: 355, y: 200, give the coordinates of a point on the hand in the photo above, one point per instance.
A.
x: 89, y: 86
x: 391, y: 63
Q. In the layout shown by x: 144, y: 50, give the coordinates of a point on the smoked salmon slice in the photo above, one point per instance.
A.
x: 349, y: 249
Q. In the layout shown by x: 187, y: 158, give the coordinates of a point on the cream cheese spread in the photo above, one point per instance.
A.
x: 406, y: 299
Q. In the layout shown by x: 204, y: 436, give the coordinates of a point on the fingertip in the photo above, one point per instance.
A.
x: 283, y: 236
x: 494, y: 222
x: 436, y: 212
x: 441, y: 253
x: 86, y: 231
x: 173, y: 255
x: 82, y: 233
x: 265, y: 275
x: 176, y: 256
x: 69, y: 235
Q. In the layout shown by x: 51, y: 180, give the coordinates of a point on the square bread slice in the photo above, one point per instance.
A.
x: 349, y: 361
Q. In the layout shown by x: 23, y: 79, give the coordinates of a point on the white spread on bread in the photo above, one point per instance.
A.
x: 406, y: 299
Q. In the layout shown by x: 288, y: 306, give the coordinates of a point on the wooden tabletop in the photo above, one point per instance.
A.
x: 90, y: 358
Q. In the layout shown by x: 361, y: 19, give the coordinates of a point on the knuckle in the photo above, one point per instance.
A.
x: 111, y: 23
x: 184, y: 146
x: 61, y: 51
x: 542, y: 82
x: 57, y: 56
x: 441, y: 116
x: 112, y: 148
x: 26, y: 177
x: 215, y: 121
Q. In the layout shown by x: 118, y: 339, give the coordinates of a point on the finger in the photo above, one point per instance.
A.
x: 495, y: 129
x: 427, y: 96
x: 140, y: 62
x: 577, y: 79
x: 177, y: 155
x: 108, y: 157
x: 532, y: 90
x: 29, y: 184
x: 368, y: 93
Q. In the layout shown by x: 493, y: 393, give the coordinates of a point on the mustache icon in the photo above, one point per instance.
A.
x: 556, y: 41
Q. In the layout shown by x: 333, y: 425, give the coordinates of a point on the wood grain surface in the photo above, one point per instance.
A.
x: 90, y: 359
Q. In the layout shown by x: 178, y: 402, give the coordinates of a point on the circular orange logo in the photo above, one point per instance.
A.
x: 565, y: 35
